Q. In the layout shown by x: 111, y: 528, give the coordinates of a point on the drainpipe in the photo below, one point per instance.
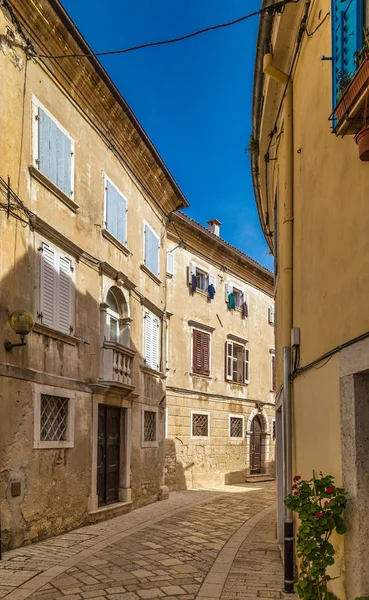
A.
x: 285, y: 282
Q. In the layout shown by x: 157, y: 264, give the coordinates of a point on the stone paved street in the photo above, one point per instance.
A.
x: 216, y: 544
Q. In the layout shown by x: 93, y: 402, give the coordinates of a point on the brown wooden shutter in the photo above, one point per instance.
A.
x: 201, y: 353
x: 274, y: 374
x: 206, y: 353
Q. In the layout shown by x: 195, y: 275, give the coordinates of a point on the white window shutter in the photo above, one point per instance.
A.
x: 48, y: 293
x: 228, y: 290
x: 64, y: 294
x: 147, y: 338
x: 116, y: 213
x: 191, y: 271
x: 229, y: 361
x: 213, y: 281
x: 122, y: 220
x: 170, y: 263
x: 155, y: 343
x: 271, y: 314
x: 246, y: 299
x: 151, y: 250
x: 246, y: 364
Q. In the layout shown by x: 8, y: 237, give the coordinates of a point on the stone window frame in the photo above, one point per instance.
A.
x: 199, y: 437
x: 241, y: 438
x: 38, y: 390
x: 155, y: 443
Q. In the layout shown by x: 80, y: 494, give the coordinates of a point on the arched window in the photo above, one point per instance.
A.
x: 112, y: 317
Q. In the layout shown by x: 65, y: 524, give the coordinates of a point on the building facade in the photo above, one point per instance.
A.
x: 310, y: 100
x: 220, y: 366
x: 84, y: 205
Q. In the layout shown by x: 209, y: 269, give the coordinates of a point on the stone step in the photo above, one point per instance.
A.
x: 259, y: 478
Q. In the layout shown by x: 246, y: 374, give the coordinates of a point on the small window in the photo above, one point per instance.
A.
x: 151, y: 254
x: 237, y: 362
x: 273, y: 425
x: 271, y: 314
x: 202, y: 279
x: 56, y: 290
x: 236, y: 298
x: 53, y: 149
x: 115, y: 212
x: 170, y: 263
x: 112, y: 316
x: 201, y: 353
x: 149, y: 426
x: 235, y: 426
x: 198, y: 279
x: 54, y: 418
x: 151, y: 340
x: 200, y: 425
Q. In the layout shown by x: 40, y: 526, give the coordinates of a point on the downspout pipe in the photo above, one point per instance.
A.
x: 286, y: 282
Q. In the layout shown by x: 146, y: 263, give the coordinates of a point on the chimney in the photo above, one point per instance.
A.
x: 214, y: 226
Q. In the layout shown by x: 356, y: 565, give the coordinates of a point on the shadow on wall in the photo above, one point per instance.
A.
x: 53, y: 485
x: 176, y: 477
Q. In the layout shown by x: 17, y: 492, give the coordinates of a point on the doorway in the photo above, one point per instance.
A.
x: 108, y: 450
x: 255, y: 446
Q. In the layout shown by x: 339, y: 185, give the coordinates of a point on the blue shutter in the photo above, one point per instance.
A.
x: 116, y: 213
x: 347, y: 37
x: 54, y: 153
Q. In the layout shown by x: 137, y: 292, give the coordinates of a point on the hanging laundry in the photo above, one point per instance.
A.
x: 245, y: 310
x: 193, y: 283
x: 211, y: 291
x: 231, y: 301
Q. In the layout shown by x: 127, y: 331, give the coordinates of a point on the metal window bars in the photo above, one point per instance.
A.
x: 53, y: 418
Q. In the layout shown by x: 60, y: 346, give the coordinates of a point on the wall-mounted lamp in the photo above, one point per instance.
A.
x: 21, y: 321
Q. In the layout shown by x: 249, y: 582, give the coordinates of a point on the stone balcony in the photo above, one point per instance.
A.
x: 116, y: 366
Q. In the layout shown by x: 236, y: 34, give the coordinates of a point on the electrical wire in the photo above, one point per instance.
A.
x: 276, y: 7
x: 311, y: 33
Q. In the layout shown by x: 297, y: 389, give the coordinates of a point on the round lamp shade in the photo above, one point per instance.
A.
x: 21, y: 321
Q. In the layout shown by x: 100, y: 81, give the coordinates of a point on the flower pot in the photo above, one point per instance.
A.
x: 362, y: 140
x: 356, y: 86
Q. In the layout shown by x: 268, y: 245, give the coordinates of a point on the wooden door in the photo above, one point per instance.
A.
x: 108, y: 450
x: 255, y: 454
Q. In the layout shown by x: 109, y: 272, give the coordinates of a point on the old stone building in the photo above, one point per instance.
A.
x: 85, y: 205
x: 220, y: 367
x: 84, y: 199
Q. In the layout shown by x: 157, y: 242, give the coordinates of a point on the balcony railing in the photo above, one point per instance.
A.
x: 117, y: 365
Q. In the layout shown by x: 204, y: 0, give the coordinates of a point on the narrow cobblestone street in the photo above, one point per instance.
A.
x: 198, y: 544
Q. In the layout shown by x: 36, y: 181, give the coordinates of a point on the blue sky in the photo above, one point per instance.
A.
x: 193, y: 98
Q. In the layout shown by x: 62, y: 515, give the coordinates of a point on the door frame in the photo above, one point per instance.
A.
x: 256, y: 470
x: 125, y: 450
x: 265, y: 438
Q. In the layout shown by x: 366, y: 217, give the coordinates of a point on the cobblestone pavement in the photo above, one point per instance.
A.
x: 211, y: 545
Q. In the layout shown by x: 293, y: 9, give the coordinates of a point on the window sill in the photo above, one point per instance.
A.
x: 39, y: 445
x: 199, y: 438
x: 170, y: 275
x: 154, y: 277
x: 149, y: 371
x: 56, y: 335
x: 199, y: 291
x: 201, y: 376
x: 239, y: 383
x: 48, y: 184
x: 149, y: 444
x: 109, y: 236
x: 236, y: 440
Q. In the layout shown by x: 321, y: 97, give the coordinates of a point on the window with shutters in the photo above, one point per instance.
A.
x: 201, y: 353
x: 237, y: 362
x: 115, y: 212
x: 54, y: 417
x: 149, y: 427
x: 200, y: 425
x: 240, y: 297
x: 200, y: 280
x: 347, y: 38
x: 151, y: 340
x: 151, y: 250
x: 271, y: 314
x: 236, y: 424
x: 53, y: 149
x: 56, y: 290
x: 273, y: 372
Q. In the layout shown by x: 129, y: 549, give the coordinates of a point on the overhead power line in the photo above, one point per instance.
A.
x: 272, y: 9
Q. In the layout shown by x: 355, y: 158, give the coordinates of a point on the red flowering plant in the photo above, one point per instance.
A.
x: 319, y: 505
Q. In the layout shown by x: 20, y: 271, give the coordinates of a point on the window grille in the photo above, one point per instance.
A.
x: 149, y: 426
x: 54, y: 418
x: 236, y: 427
x: 200, y: 425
